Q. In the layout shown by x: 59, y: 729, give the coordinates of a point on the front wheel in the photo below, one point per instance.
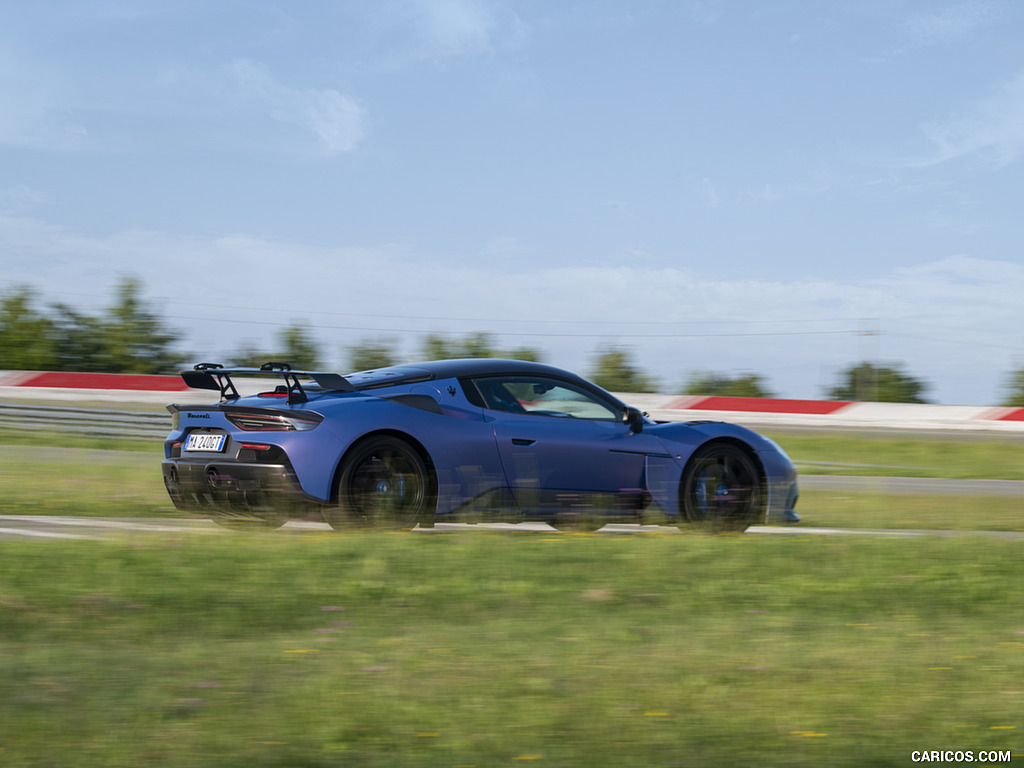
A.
x: 721, y: 489
x: 383, y: 483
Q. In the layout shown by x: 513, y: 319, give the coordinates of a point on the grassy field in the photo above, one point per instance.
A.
x: 930, y: 512
x: 486, y: 649
x: 53, y: 480
x: 968, y: 456
x: 495, y: 649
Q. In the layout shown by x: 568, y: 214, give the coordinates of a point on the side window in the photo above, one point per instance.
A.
x: 543, y: 397
x: 498, y: 397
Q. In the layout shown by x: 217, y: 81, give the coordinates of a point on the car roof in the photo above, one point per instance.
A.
x: 449, y: 369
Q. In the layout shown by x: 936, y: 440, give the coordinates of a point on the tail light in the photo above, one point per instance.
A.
x: 258, y: 421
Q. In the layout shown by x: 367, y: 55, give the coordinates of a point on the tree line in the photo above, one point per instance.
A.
x: 126, y: 338
x: 129, y: 337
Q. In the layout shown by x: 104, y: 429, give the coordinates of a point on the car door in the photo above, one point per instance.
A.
x: 563, y: 445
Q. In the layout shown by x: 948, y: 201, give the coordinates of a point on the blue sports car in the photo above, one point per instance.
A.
x: 498, y: 440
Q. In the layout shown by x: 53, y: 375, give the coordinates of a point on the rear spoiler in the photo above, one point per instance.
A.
x: 216, y: 377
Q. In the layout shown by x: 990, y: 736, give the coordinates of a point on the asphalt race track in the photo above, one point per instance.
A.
x: 913, y: 485
x: 53, y: 527
x: 96, y: 528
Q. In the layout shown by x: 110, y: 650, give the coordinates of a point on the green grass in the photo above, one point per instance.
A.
x: 934, y: 512
x: 494, y: 649
x: 486, y: 649
x: 45, y: 438
x: 888, y: 455
x: 50, y: 480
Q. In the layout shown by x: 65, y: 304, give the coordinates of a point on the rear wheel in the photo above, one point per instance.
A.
x: 383, y: 483
x: 721, y: 489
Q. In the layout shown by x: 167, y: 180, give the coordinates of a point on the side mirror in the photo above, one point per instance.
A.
x: 634, y: 417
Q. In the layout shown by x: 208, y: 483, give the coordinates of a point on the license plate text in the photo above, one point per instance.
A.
x: 205, y: 442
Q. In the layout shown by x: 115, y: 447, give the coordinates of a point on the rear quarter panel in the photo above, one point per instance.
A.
x: 459, y: 443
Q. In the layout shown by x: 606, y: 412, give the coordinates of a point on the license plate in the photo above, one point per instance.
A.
x: 205, y: 442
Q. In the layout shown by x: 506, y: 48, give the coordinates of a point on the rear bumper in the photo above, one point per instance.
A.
x: 232, y: 486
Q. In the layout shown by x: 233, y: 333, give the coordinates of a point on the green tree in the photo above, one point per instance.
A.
x: 1015, y: 390
x: 295, y: 346
x: 745, y: 385
x: 868, y: 382
x: 299, y: 348
x: 79, y: 340
x: 529, y: 354
x: 133, y: 339
x: 475, y: 345
x: 614, y: 370
x: 26, y: 335
x: 128, y: 338
x: 367, y: 355
x: 248, y: 355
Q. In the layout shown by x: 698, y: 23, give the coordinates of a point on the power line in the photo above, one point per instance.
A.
x: 853, y: 327
x: 442, y: 318
x: 545, y: 334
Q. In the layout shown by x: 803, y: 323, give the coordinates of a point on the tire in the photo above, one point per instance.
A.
x: 383, y: 483
x: 721, y: 490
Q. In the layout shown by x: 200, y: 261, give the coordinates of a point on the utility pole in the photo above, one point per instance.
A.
x: 866, y: 384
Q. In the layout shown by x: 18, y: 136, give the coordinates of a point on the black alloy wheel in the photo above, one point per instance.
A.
x: 383, y: 483
x: 721, y: 489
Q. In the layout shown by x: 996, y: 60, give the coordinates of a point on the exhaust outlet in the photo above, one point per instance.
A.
x: 215, y: 478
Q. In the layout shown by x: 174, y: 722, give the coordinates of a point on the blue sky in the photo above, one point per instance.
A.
x: 730, y: 186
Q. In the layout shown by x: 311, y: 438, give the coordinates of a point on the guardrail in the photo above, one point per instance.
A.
x: 89, y: 422
x: 757, y: 413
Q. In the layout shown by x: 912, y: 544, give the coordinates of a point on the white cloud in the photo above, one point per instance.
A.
x: 338, y: 121
x: 410, y: 31
x: 991, y: 129
x: 22, y: 196
x: 940, y: 26
x: 951, y: 23
x: 61, y: 108
x: 455, y: 27
x: 705, y: 12
x: 35, y: 109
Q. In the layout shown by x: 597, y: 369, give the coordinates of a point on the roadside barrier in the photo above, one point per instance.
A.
x: 86, y: 422
x: 758, y: 413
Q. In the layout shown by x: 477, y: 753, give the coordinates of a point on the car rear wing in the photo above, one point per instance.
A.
x: 216, y: 377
